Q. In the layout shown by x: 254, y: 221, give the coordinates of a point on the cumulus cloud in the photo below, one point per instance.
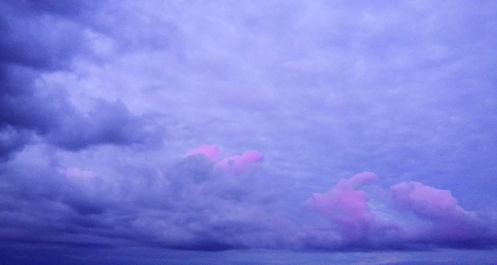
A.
x: 347, y: 207
x: 355, y: 225
x: 427, y: 202
x: 450, y: 223
x: 352, y: 223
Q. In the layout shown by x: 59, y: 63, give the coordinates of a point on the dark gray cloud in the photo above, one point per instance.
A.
x: 106, y: 123
x: 190, y: 205
x: 43, y: 36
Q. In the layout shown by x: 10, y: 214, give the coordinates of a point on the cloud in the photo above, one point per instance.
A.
x: 355, y: 225
x: 47, y: 113
x: 212, y: 152
x: 427, y: 202
x: 239, y: 164
x: 75, y: 172
x: 107, y: 123
x: 347, y: 207
x: 124, y: 87
x: 195, y: 204
x: 26, y: 25
x: 11, y: 141
x: 236, y: 165
x: 450, y: 224
x: 188, y: 205
x: 29, y: 107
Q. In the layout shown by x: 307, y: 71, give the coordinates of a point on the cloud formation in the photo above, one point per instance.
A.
x: 99, y: 100
x: 358, y: 226
x: 236, y: 165
x: 29, y: 108
x: 193, y: 204
x: 450, y: 224
x: 212, y: 152
x: 347, y: 207
x: 189, y: 205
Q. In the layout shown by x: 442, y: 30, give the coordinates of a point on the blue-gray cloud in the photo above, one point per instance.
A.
x: 40, y: 37
x: 322, y: 90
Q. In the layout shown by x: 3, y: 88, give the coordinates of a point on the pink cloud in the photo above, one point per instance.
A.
x: 425, y: 201
x: 234, y: 164
x: 347, y: 207
x: 75, y: 172
x: 210, y: 151
x: 348, y: 211
x: 449, y: 221
x: 238, y: 164
x: 354, y: 223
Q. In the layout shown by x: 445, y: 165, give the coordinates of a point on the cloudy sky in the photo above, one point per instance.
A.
x: 295, y: 126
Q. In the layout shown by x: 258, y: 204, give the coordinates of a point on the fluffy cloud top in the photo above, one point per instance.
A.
x: 237, y: 164
x: 358, y: 226
x: 212, y: 152
x: 450, y: 223
x: 347, y: 207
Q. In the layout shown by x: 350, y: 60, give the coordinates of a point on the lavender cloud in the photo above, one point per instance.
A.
x: 98, y: 100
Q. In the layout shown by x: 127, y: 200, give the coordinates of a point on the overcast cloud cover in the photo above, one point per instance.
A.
x: 335, y: 126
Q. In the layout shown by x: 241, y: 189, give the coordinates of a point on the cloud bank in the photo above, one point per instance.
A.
x: 203, y: 202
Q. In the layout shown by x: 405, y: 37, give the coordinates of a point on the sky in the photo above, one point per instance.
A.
x: 209, y: 130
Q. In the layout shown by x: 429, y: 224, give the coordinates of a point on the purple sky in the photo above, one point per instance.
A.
x: 334, y: 126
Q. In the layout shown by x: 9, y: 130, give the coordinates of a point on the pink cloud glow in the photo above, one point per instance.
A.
x: 347, y: 207
x: 238, y: 164
x: 449, y: 221
x: 234, y: 164
x: 425, y: 201
x: 354, y: 222
x: 210, y: 151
